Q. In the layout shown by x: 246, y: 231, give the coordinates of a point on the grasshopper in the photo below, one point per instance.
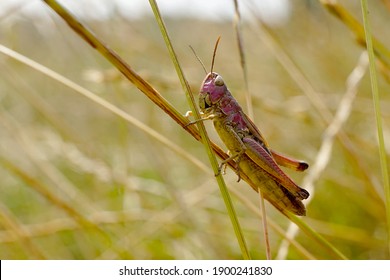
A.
x: 248, y: 148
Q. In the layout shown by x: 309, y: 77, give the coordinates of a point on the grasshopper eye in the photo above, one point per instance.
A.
x: 219, y: 81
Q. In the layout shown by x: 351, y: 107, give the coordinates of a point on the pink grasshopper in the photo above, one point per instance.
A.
x: 248, y: 147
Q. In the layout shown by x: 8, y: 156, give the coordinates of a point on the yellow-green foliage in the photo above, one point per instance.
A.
x: 80, y: 182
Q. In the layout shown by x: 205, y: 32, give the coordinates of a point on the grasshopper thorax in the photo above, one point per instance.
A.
x: 212, y: 90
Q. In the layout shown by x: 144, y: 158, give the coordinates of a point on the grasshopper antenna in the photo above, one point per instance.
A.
x: 198, y: 58
x: 214, y: 53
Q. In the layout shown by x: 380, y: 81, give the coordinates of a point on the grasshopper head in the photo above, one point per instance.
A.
x: 212, y: 90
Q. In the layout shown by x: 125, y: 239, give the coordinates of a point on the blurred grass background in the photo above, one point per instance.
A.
x: 81, y: 183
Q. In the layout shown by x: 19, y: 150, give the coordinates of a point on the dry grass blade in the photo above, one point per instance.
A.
x: 44, y: 190
x: 10, y: 222
x: 121, y: 65
x: 95, y: 98
x: 130, y: 74
x: 240, y: 43
x: 356, y: 27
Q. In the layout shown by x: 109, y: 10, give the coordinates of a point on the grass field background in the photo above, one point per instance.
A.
x: 78, y: 182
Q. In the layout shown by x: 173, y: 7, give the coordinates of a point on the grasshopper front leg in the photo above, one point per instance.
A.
x: 203, y: 116
x: 211, y: 116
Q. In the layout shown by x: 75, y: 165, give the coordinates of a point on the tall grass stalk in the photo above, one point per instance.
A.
x: 203, y: 133
x: 378, y: 114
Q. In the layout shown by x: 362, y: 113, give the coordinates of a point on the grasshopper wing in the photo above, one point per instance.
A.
x: 282, y: 160
x: 255, y: 132
x: 264, y: 160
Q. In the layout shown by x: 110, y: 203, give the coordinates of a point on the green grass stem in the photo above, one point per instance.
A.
x: 378, y: 114
x: 203, y: 133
